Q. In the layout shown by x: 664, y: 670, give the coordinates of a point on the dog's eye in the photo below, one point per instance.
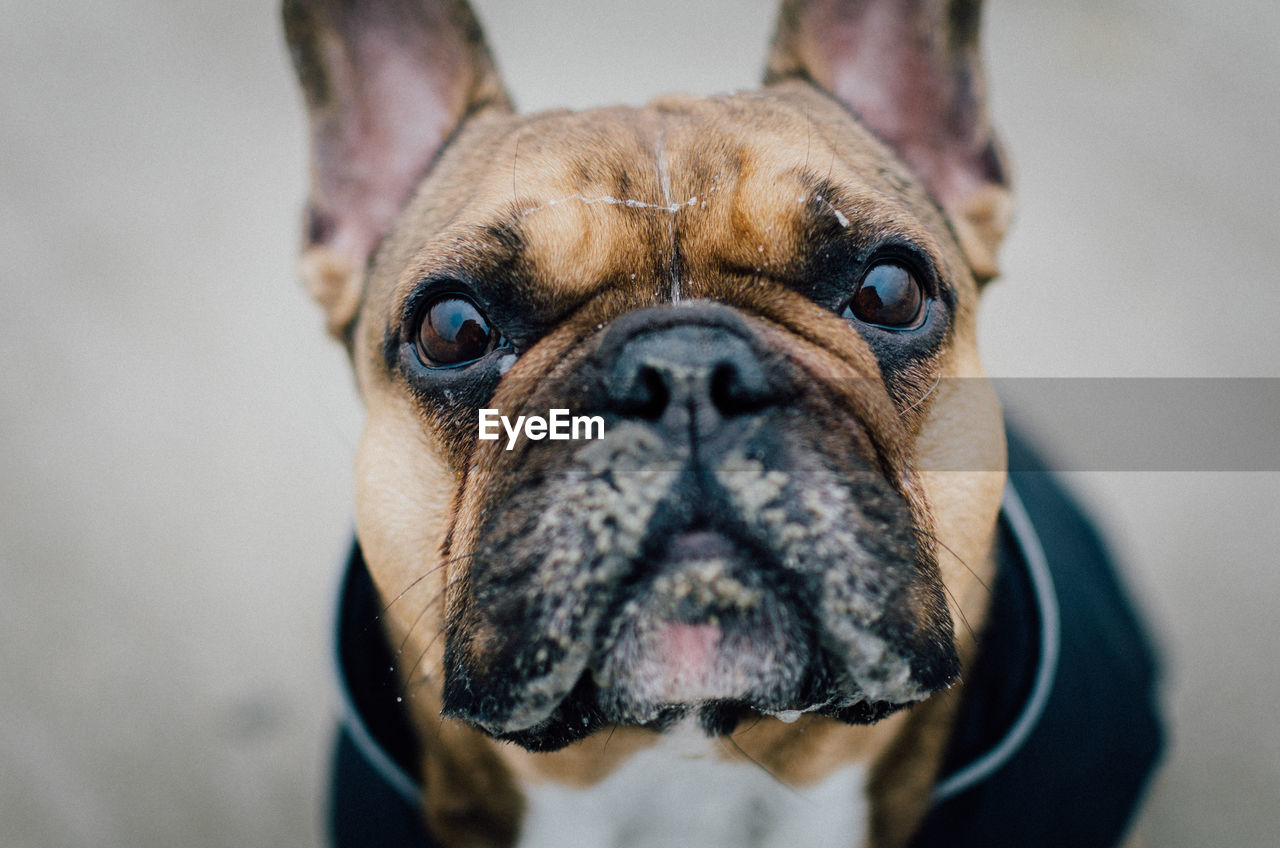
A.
x: 890, y: 296
x: 452, y: 331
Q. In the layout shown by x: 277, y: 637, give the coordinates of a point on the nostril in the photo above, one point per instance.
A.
x: 731, y: 392
x: 648, y: 395
x: 723, y: 388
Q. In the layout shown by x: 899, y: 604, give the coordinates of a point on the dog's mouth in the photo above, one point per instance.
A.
x: 703, y: 624
x: 776, y: 614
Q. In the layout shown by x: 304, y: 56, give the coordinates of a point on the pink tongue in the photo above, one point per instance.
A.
x: 689, y: 653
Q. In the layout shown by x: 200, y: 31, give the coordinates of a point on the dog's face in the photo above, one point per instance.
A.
x: 762, y: 300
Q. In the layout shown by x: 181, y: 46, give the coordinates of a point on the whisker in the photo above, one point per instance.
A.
x: 922, y: 397
x: 612, y: 730
x: 960, y: 612
x: 955, y: 601
x: 437, y: 597
x: 407, y: 589
x: 426, y: 675
x: 831, y: 166
x: 761, y: 766
x: 808, y: 138
x: 422, y: 612
x: 515, y: 160
x: 957, y: 557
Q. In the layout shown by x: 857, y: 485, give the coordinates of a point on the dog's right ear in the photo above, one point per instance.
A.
x: 386, y: 83
x: 911, y: 70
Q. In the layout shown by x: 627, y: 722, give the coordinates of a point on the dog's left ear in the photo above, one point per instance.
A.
x: 911, y: 71
x: 386, y: 82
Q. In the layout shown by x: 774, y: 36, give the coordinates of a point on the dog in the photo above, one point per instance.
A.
x: 782, y: 594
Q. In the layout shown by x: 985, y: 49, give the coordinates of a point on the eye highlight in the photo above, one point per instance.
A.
x: 888, y: 296
x: 453, y: 331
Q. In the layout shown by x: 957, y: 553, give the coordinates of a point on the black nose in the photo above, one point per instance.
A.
x: 688, y: 369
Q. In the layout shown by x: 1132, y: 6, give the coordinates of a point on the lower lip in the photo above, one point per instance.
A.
x: 690, y: 651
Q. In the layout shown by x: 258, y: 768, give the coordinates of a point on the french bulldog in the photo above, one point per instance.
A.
x: 740, y: 607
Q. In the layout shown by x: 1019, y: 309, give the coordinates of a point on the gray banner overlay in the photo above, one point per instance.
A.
x: 1140, y: 424
x: 1109, y: 424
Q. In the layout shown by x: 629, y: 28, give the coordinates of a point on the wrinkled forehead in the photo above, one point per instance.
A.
x: 572, y: 203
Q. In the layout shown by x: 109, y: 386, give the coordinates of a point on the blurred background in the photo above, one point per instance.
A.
x: 176, y: 431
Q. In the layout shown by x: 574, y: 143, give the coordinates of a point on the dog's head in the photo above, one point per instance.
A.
x: 759, y: 297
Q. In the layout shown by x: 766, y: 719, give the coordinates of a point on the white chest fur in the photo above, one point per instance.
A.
x: 682, y: 792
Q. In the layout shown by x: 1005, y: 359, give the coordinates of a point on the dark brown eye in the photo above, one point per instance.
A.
x: 453, y: 332
x: 890, y: 296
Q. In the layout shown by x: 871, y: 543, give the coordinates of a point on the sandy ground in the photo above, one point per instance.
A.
x: 176, y: 433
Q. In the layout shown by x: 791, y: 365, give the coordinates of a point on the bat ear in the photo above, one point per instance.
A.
x: 911, y: 71
x: 386, y: 82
